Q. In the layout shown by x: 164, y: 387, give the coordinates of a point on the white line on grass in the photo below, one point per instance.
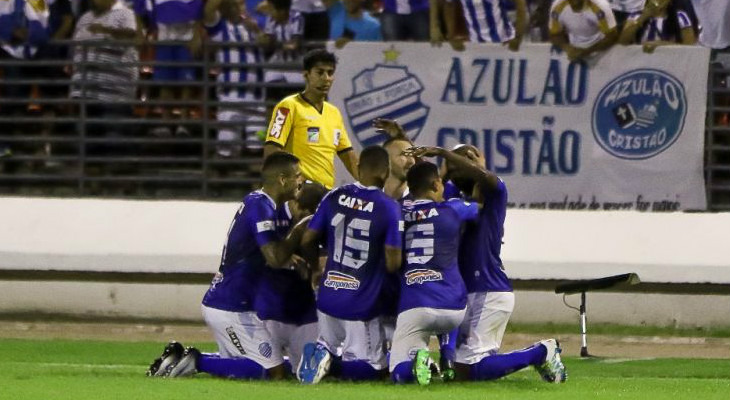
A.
x: 85, y: 366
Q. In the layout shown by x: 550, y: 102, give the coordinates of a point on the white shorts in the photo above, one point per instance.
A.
x: 483, y: 328
x: 251, y: 121
x: 242, y: 335
x: 360, y: 340
x: 414, y: 328
x: 290, y: 338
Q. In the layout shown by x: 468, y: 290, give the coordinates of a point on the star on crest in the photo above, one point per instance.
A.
x: 391, y: 55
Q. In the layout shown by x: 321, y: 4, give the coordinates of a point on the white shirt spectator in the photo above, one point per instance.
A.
x: 714, y: 17
x: 627, y: 6
x: 585, y: 27
x: 111, y: 81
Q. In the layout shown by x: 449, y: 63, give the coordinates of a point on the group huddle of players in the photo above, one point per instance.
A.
x: 354, y: 282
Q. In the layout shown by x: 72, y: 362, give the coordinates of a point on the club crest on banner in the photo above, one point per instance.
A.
x: 639, y: 114
x: 385, y: 91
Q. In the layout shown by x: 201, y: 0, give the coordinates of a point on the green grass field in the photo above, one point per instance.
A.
x: 82, y: 370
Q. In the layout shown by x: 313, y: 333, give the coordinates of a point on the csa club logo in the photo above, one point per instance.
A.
x: 385, y: 91
x: 639, y: 114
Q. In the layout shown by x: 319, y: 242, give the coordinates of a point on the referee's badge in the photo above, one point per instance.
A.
x: 338, y: 135
x: 313, y: 135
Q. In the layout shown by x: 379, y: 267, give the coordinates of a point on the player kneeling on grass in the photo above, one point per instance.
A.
x: 245, y: 348
x: 285, y: 299
x: 362, y: 228
x: 490, y: 299
x: 433, y: 295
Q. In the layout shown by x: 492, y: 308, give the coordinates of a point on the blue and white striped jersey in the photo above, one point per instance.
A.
x: 487, y: 21
x: 226, y: 32
x: 659, y: 29
x: 285, y: 32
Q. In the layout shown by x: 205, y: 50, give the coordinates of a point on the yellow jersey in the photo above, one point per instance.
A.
x: 315, y: 138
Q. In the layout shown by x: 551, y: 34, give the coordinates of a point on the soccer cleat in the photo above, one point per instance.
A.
x: 154, y: 367
x: 188, y: 364
x: 167, y: 360
x: 422, y: 367
x: 314, y: 364
x: 447, y: 370
x: 552, y: 370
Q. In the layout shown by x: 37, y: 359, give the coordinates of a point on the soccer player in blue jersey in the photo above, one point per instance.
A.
x: 284, y: 299
x: 253, y: 245
x: 490, y: 299
x: 362, y: 229
x: 433, y: 294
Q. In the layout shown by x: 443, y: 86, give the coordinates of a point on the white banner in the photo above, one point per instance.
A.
x: 623, y: 131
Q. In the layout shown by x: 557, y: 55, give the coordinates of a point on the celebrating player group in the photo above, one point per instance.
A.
x: 354, y: 282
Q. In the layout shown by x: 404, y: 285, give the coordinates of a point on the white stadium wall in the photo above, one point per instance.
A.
x: 186, y: 237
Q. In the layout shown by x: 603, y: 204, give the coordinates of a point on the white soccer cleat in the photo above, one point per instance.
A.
x: 552, y: 370
x: 167, y: 360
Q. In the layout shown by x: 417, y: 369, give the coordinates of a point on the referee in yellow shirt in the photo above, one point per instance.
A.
x: 309, y: 127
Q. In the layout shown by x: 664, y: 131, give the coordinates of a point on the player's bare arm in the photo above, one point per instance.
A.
x: 350, y: 159
x: 309, y: 248
x: 393, y: 258
x: 278, y: 254
x: 481, y: 176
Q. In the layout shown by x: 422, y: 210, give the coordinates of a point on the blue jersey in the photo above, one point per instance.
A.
x: 451, y: 191
x: 358, y: 222
x: 481, y: 243
x: 431, y: 276
x: 487, y: 21
x: 169, y: 11
x: 405, y: 7
x: 242, y: 263
x: 282, y: 294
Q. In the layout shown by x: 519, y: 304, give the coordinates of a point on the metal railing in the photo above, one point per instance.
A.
x: 717, y: 139
x: 57, y: 151
x: 61, y: 146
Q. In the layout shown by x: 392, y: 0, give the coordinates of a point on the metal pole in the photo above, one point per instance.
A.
x: 583, y: 333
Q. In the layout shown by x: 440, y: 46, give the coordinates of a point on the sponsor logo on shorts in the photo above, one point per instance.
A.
x: 279, y: 119
x: 639, y: 114
x: 313, y: 135
x: 265, y: 349
x: 338, y: 280
x: 420, y: 276
x: 234, y: 339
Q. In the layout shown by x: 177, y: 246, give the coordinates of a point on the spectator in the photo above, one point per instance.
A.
x: 486, y: 20
x: 283, y: 36
x: 111, y: 82
x: 226, y: 25
x: 173, y: 20
x: 23, y: 27
x: 714, y: 17
x: 623, y: 9
x: 316, y: 20
x: 661, y: 22
x: 405, y: 20
x: 60, y: 27
x: 589, y: 25
x: 349, y: 21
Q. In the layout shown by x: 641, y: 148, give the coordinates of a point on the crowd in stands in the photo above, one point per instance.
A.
x: 256, y: 31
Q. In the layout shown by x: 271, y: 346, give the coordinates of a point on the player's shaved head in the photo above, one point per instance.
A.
x: 374, y: 159
x: 422, y: 177
x: 277, y: 164
x: 310, y: 195
x: 374, y: 166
